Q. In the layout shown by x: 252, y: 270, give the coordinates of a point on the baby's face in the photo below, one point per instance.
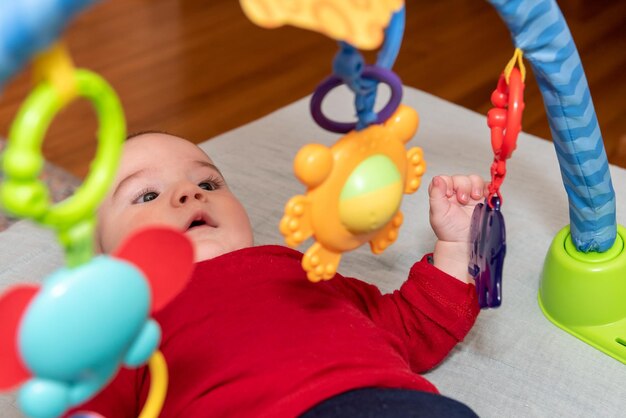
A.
x: 165, y: 180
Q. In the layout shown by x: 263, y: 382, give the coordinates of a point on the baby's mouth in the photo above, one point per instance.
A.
x: 195, y: 224
x: 199, y: 221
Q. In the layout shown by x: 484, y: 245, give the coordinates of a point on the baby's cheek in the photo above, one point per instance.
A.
x: 118, y: 228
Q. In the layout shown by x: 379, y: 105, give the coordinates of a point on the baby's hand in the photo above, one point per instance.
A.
x: 452, y: 202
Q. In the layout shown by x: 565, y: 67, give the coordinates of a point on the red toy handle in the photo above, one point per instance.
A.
x: 505, y: 119
x: 505, y: 122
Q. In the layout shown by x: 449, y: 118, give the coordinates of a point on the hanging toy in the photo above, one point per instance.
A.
x: 360, y: 23
x: 488, y: 234
x: 63, y: 341
x: 355, y: 187
x: 354, y: 191
x: 72, y: 334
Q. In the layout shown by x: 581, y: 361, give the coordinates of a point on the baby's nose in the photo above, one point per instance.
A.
x: 187, y: 193
x: 184, y: 197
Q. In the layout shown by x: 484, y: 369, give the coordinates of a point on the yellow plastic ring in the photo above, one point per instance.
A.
x: 158, y: 386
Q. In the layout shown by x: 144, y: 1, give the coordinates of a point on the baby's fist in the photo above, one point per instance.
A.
x: 452, y: 201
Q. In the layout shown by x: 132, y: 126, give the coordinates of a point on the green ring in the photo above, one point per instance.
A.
x: 22, y: 193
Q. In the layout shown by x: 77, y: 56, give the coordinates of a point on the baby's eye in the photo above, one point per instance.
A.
x: 209, y: 185
x: 146, y: 197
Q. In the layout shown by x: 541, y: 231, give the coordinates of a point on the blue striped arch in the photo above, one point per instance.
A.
x: 539, y: 29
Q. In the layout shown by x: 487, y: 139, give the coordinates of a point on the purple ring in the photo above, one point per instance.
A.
x: 371, y: 72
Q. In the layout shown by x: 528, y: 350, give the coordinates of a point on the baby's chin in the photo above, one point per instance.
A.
x: 207, y: 250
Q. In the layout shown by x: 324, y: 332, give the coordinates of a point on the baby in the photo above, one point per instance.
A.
x: 166, y: 180
x: 250, y: 336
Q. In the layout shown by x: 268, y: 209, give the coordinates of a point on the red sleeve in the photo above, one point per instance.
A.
x: 119, y: 399
x: 431, y: 312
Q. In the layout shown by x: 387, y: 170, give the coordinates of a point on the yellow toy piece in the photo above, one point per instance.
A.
x: 354, y: 191
x: 360, y: 23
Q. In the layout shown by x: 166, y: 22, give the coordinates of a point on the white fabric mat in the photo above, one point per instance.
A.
x: 514, y: 363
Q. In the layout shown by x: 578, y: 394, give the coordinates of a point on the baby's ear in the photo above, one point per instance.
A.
x: 97, y: 235
x: 165, y: 256
x: 97, y: 245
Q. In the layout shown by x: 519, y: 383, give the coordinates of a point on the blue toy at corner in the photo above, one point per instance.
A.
x: 61, y: 359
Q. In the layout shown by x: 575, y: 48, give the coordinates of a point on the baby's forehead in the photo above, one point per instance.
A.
x: 160, y: 155
x: 145, y: 148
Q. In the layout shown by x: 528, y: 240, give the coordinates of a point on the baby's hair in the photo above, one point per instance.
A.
x: 146, y: 132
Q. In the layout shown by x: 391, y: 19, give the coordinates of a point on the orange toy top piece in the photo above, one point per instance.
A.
x: 360, y: 23
x: 354, y: 191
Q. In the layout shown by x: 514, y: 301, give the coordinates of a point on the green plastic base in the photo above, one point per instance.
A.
x: 585, y: 294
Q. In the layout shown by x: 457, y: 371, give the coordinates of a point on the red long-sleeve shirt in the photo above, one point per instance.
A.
x: 250, y: 336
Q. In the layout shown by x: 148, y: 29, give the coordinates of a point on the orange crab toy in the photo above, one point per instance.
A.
x: 354, y: 191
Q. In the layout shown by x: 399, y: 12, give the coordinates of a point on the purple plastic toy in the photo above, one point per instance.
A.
x: 488, y: 237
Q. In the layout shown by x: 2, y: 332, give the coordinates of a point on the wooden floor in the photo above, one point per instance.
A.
x: 198, y: 68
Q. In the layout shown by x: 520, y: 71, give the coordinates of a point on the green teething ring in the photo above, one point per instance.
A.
x: 22, y: 194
